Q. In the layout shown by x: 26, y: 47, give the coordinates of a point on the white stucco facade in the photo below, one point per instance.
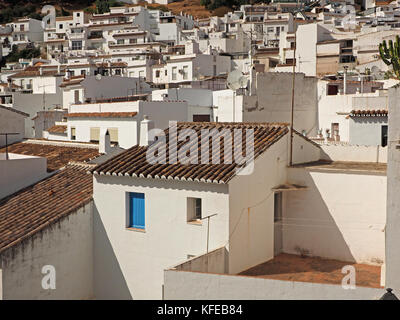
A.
x: 129, y: 264
x: 343, y: 209
x: 20, y: 171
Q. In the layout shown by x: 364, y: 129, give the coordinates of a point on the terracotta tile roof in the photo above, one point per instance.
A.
x: 57, y: 129
x: 118, y: 64
x: 33, y: 72
x: 66, y: 18
x: 133, y: 161
x: 57, y: 156
x: 101, y: 114
x: 369, y: 113
x: 6, y: 85
x: 127, y: 34
x: 38, y: 206
x: 72, y: 81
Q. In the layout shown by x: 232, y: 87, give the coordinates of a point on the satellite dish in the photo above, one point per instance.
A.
x: 236, y: 80
x: 377, y: 73
x: 98, y: 77
x: 375, y: 70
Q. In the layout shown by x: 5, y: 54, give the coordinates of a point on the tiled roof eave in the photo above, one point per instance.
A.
x: 133, y: 163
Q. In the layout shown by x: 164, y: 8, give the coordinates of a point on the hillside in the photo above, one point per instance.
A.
x: 13, y: 9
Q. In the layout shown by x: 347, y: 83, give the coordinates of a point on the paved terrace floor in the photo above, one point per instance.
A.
x: 291, y: 267
x: 344, y: 166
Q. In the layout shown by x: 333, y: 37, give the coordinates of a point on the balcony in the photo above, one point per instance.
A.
x: 76, y: 35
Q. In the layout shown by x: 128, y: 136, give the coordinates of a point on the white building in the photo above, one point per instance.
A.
x: 135, y: 201
x: 356, y: 118
x: 88, y: 122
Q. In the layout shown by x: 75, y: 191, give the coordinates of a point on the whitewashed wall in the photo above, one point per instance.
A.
x: 129, y: 264
x: 393, y: 187
x: 127, y: 129
x: 341, y: 215
x: 20, y: 171
x: 66, y: 245
x: 251, y: 209
x: 273, y: 101
x: 181, y: 285
x: 251, y: 203
x: 11, y: 122
x: 343, y: 152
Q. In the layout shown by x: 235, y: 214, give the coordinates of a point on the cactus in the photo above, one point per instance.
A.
x: 391, y: 55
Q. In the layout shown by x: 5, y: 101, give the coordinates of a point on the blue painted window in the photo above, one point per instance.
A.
x: 136, y: 210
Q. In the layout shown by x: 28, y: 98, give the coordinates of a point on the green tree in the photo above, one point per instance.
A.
x: 391, y: 55
x: 102, y: 6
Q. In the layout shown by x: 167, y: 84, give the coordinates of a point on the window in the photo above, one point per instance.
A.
x: 120, y: 41
x: 270, y: 29
x: 83, y: 72
x: 185, y: 72
x: 76, y: 45
x: 76, y: 96
x: 384, y: 138
x: 61, y: 26
x: 333, y: 90
x: 157, y: 73
x: 117, y: 72
x: 201, y: 118
x: 166, y: 72
x: 94, y: 134
x: 335, y: 131
x: 73, y: 134
x: 193, y: 209
x: 113, y: 134
x: 277, y: 206
x: 174, y: 73
x: 132, y: 40
x: 136, y: 211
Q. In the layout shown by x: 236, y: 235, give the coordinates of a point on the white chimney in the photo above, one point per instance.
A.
x: 104, y: 143
x: 145, y: 126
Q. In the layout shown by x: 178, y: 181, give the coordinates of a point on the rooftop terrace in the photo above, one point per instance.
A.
x: 289, y: 267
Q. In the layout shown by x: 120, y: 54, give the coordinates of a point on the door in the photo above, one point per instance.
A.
x: 384, y: 136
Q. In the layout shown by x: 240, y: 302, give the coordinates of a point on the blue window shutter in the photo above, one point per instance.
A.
x: 137, y: 210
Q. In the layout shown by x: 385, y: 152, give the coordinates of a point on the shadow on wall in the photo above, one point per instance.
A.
x: 109, y: 281
x: 308, y: 227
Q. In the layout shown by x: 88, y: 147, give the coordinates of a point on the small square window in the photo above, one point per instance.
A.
x: 194, y: 209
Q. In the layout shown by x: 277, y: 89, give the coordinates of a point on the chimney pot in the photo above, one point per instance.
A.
x: 104, y: 143
x: 145, y: 126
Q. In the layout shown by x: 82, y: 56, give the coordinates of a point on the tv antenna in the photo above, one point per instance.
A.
x: 236, y: 80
